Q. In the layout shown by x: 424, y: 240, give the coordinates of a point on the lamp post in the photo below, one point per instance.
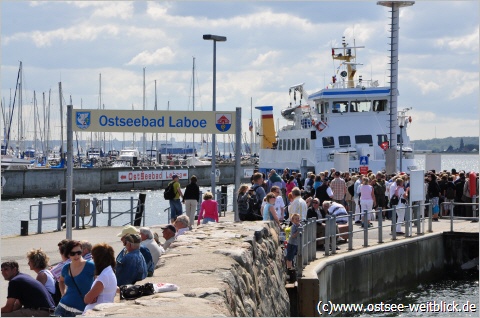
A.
x: 215, y: 39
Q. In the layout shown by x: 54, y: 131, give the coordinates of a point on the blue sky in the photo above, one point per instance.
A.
x: 270, y: 46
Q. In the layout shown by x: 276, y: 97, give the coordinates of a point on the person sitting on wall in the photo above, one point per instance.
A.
x: 168, y: 233
x: 26, y: 296
x: 132, y: 267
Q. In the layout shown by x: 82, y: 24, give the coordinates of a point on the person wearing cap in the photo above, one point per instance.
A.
x: 132, y: 267
x: 147, y: 255
x: 175, y: 203
x: 168, y: 233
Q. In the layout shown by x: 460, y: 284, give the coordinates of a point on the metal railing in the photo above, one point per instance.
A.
x: 41, y: 212
x: 414, y: 217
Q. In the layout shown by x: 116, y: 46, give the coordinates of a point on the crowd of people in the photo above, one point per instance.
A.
x: 275, y: 197
x: 86, y: 275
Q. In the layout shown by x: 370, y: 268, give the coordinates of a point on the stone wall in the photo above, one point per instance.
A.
x: 222, y: 269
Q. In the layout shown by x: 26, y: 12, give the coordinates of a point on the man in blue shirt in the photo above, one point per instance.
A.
x: 132, y: 267
x: 26, y: 295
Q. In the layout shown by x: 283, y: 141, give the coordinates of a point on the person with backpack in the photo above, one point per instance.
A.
x: 172, y: 194
x: 242, y: 202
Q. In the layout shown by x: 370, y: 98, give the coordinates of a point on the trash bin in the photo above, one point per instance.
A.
x: 24, y: 228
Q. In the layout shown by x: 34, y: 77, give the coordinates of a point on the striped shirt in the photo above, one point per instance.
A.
x: 57, y: 269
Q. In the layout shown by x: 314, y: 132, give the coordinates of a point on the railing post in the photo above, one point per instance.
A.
x: 299, y: 265
x: 394, y: 223
x: 77, y: 214
x: 94, y: 216
x: 40, y: 216
x: 380, y: 226
x: 408, y: 223
x: 333, y: 234
x: 59, y: 216
x: 326, y: 241
x: 451, y: 216
x: 366, y: 224
x: 430, y: 218
x: 419, y: 219
x: 131, y: 211
x: 109, y: 211
x: 350, y: 231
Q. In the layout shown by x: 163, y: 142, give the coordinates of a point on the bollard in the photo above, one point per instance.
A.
x: 334, y: 234
x: 24, y: 228
x: 40, y: 217
x: 94, y: 221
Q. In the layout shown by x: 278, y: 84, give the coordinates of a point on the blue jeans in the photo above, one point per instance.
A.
x: 62, y: 312
x: 175, y: 208
x: 206, y: 220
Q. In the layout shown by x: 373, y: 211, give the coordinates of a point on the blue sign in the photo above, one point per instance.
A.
x: 364, y: 161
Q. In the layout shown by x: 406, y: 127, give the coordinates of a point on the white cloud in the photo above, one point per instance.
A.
x: 468, y: 42
x: 265, y: 58
x: 81, y: 32
x: 164, y: 55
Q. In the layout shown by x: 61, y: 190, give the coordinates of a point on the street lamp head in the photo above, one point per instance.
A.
x: 217, y: 38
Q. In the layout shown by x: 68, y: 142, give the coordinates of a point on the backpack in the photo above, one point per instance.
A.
x: 450, y: 192
x: 169, y: 193
x: 351, y: 189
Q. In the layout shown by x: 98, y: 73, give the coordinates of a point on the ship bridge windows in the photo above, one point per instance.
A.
x: 360, y: 106
x: 340, y: 107
x: 379, y: 105
x: 344, y: 141
x: 289, y: 144
x: 364, y: 139
x: 328, y: 142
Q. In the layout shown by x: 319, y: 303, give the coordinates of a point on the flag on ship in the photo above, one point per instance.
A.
x: 250, y: 125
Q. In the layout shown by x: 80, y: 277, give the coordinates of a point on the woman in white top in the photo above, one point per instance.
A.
x: 367, y: 198
x: 105, y: 285
x: 38, y: 261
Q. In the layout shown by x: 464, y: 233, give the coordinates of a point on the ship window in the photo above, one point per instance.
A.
x: 280, y: 145
x: 399, y: 139
x: 344, y: 141
x: 340, y: 107
x: 298, y: 144
x: 302, y: 144
x: 359, y: 106
x: 328, y: 142
x: 307, y: 144
x: 288, y: 144
x: 364, y: 139
x: 379, y: 105
x: 381, y: 139
x: 323, y: 108
x: 284, y: 144
x: 293, y: 144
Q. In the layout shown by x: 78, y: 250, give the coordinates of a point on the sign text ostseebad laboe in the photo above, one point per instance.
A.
x: 89, y: 120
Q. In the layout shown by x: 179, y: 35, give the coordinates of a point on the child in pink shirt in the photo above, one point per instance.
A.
x: 208, y: 209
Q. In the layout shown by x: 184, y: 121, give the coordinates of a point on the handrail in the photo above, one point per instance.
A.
x: 414, y: 216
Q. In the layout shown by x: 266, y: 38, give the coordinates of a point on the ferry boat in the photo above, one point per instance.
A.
x: 344, y: 126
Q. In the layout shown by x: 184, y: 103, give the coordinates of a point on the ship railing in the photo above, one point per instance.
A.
x: 356, y: 83
x: 414, y: 218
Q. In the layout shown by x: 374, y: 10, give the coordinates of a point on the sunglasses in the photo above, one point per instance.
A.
x: 75, y: 253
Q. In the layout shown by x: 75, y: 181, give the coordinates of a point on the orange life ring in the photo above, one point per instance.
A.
x: 321, y: 125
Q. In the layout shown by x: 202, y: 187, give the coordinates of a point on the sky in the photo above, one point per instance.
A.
x: 271, y: 45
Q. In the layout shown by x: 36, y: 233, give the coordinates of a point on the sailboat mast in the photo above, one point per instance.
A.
x: 61, y: 118
x: 193, y: 101
x: 156, y: 134
x: 144, y: 137
x: 34, y: 122
x: 250, y: 126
